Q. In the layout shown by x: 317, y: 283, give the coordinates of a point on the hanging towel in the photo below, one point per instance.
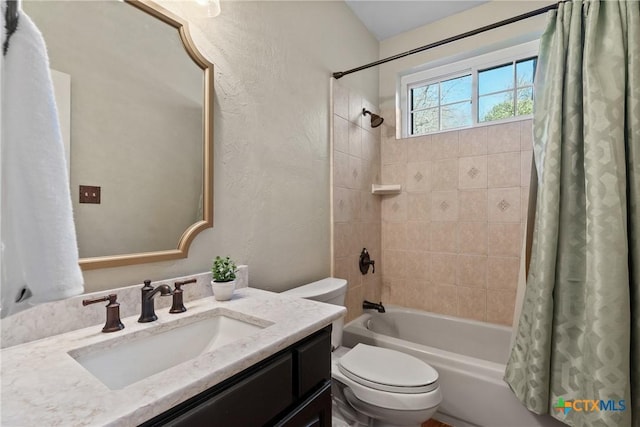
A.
x: 39, y: 259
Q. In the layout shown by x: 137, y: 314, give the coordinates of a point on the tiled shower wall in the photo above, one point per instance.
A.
x: 452, y: 239
x: 356, y: 212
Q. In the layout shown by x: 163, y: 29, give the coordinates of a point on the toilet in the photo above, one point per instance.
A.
x: 373, y: 386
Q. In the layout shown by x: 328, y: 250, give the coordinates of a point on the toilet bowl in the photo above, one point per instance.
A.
x: 374, y: 386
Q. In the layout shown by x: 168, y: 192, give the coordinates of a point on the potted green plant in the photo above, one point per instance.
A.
x: 224, y: 278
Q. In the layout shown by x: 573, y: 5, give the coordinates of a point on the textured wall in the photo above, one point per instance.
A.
x: 273, y: 62
x: 356, y: 212
x: 452, y: 238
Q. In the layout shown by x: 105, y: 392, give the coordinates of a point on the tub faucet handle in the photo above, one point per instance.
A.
x: 365, y: 262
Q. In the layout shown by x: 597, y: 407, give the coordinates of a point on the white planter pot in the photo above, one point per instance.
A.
x: 223, y: 291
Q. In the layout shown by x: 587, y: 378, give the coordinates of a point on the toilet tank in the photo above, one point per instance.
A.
x: 330, y: 290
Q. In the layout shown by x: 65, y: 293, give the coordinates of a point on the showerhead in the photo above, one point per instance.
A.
x: 376, y: 120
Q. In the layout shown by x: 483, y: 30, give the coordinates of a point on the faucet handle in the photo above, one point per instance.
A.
x: 113, y: 322
x: 366, y: 261
x: 178, y: 304
x: 177, y: 285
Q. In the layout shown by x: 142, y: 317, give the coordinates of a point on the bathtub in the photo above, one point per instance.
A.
x: 469, y: 356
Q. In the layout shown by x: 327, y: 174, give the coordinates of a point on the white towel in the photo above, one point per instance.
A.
x: 39, y: 249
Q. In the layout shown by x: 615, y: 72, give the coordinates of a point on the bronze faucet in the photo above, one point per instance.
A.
x: 367, y: 305
x: 148, y: 313
x: 365, y: 262
x: 178, y: 304
x: 113, y: 322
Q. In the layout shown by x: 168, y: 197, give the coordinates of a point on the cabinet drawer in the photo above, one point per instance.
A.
x: 251, y: 402
x: 312, y: 362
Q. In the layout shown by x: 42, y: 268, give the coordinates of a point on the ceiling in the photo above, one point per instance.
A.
x: 387, y: 18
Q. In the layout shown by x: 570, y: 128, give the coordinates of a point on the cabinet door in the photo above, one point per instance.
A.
x: 312, y: 363
x: 251, y: 402
x: 313, y: 412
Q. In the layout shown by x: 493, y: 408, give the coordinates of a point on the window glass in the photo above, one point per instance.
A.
x: 424, y: 97
x: 524, y: 102
x: 456, y: 115
x: 455, y: 90
x: 442, y: 105
x: 425, y: 121
x: 495, y: 79
x: 525, y: 71
x: 495, y: 107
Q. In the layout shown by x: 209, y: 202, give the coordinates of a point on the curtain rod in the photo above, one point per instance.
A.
x: 527, y: 15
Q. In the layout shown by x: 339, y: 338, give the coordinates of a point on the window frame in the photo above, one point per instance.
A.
x: 457, y: 68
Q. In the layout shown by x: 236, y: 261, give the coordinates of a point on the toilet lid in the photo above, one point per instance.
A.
x: 388, y: 370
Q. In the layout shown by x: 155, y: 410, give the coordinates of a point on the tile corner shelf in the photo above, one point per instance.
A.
x: 382, y: 189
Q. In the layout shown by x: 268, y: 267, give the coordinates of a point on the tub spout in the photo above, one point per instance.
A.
x: 367, y: 305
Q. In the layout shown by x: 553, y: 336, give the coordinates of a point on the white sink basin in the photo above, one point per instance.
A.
x: 121, y: 362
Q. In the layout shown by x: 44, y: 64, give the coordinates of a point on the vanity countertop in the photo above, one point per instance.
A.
x: 43, y: 385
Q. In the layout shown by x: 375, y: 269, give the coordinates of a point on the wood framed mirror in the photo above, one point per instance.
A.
x: 139, y: 127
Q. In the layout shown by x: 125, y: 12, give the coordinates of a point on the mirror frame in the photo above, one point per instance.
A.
x: 190, y: 233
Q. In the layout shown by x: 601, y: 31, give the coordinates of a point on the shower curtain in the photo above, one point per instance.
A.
x: 577, y: 349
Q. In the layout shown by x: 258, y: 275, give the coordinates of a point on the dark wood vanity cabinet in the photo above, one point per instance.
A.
x: 289, y: 389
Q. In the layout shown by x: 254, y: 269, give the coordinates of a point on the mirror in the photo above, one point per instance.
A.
x: 140, y: 126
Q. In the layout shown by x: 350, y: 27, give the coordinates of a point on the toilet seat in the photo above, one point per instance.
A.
x: 388, y: 370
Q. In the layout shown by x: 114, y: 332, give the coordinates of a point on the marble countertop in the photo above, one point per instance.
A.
x: 43, y: 385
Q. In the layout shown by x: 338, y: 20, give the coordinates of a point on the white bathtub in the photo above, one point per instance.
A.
x: 469, y: 356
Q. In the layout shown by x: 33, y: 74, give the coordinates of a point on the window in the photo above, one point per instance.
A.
x: 471, y: 92
x: 506, y: 90
x: 441, y: 105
